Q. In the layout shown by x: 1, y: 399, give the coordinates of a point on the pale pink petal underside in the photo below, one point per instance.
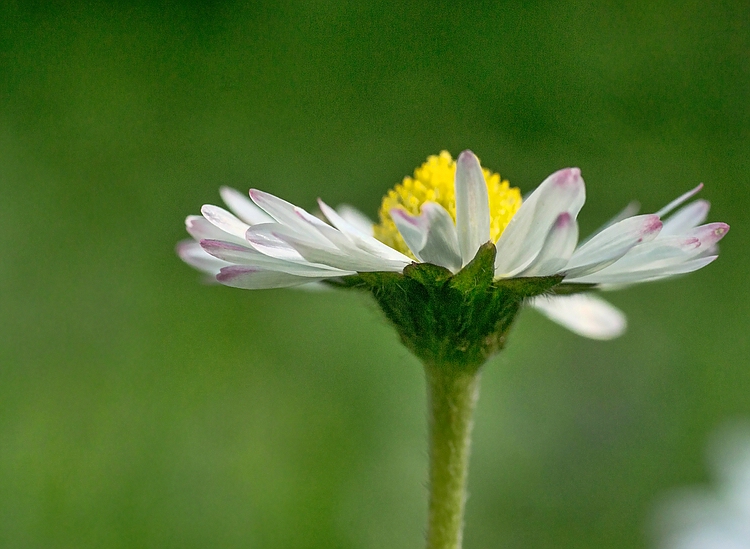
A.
x: 583, y: 314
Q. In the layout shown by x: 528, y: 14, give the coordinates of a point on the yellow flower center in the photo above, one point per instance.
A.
x: 434, y: 181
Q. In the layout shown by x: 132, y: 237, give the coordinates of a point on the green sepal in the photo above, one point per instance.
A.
x: 427, y: 273
x: 571, y: 288
x: 452, y: 321
x: 530, y: 286
x: 478, y: 273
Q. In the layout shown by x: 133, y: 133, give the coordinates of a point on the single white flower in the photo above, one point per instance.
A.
x: 719, y: 518
x: 442, y: 216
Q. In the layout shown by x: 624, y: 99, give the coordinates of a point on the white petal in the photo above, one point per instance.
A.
x: 234, y: 253
x: 662, y: 257
x: 224, y: 220
x: 199, y: 228
x: 245, y: 255
x: 686, y: 218
x: 367, y: 252
x: 362, y: 240
x: 611, y: 244
x: 313, y: 238
x: 319, y: 242
x: 262, y: 239
x: 431, y: 236
x: 523, y: 238
x: 292, y: 216
x: 271, y: 237
x: 192, y: 254
x: 413, y: 229
x: 472, y: 206
x: 618, y: 280
x: 281, y: 210
x: 243, y: 207
x: 709, y: 234
x: 355, y: 218
x: 252, y: 278
x: 660, y: 253
x: 630, y: 210
x: 679, y: 201
x: 441, y: 246
x: 583, y: 314
x: 557, y: 248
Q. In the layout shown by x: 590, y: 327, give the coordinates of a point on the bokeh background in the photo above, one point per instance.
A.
x: 141, y: 408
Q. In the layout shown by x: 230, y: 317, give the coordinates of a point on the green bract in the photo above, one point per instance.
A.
x: 454, y: 321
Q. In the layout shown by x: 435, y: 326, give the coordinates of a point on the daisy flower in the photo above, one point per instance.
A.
x: 454, y: 256
x: 442, y: 216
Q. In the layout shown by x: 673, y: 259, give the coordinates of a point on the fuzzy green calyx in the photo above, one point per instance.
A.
x: 452, y: 321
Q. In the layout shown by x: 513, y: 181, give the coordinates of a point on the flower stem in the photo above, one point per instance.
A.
x: 452, y: 397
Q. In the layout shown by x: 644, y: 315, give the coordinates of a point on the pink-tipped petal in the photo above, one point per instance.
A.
x: 276, y: 239
x: 630, y: 210
x: 472, y: 206
x: 199, y: 228
x: 662, y: 257
x: 262, y: 238
x: 709, y: 235
x: 523, y: 238
x: 243, y: 207
x: 224, y: 220
x: 231, y: 252
x: 307, y: 226
x: 686, y: 218
x: 431, y: 236
x: 312, y: 237
x: 679, y: 200
x: 413, y: 229
x: 251, y: 278
x: 291, y: 216
x: 281, y: 210
x: 557, y: 248
x: 249, y: 257
x: 362, y: 240
x: 611, y: 244
x: 192, y: 254
x: 441, y: 246
x: 618, y: 280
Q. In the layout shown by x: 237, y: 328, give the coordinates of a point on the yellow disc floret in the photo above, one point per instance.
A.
x: 434, y: 181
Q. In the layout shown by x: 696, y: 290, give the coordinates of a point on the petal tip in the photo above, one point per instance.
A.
x: 181, y: 248
x: 653, y: 223
x: 568, y: 176
x: 563, y: 220
x: 191, y: 220
x: 400, y: 213
x: 467, y: 162
x: 466, y: 156
x: 720, y: 231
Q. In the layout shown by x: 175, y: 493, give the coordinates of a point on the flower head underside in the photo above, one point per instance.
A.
x: 442, y: 217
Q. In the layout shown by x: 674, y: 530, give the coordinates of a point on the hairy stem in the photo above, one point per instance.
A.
x: 452, y: 398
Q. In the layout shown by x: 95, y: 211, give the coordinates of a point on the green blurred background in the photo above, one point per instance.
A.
x: 140, y: 408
